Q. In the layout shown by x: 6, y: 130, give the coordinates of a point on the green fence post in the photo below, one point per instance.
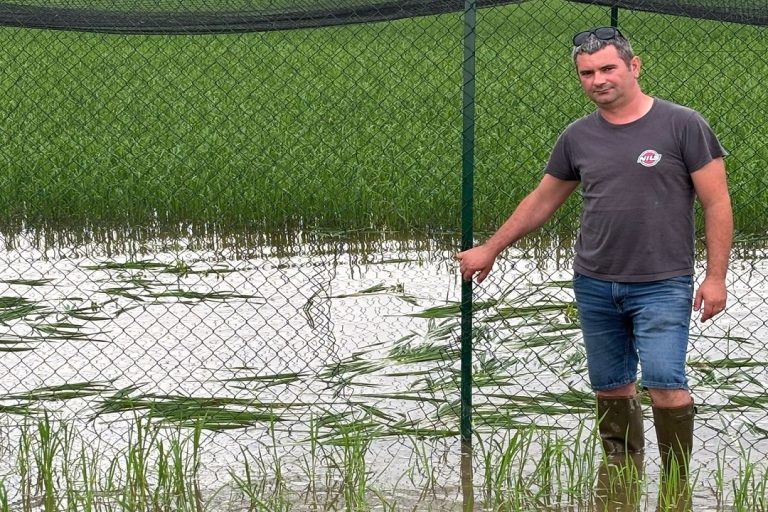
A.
x: 467, y: 200
x: 614, y: 15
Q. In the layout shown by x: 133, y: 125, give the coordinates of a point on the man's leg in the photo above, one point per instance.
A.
x: 612, y: 362
x: 661, y: 313
x: 673, y: 414
x: 620, y: 421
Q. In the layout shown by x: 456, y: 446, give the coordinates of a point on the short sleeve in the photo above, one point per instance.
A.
x: 560, y: 164
x: 699, y: 144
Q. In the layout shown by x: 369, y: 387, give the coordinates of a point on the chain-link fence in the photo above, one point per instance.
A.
x: 228, y: 248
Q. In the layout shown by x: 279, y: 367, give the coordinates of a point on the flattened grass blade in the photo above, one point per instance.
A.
x: 27, y: 282
x: 201, y: 296
x: 15, y: 308
x: 208, y: 413
x: 128, y: 265
x: 64, y: 391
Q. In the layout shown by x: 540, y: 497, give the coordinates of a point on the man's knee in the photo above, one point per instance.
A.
x: 670, y: 398
x: 626, y: 391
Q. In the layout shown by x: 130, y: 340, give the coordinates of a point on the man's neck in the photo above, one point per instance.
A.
x: 631, y: 111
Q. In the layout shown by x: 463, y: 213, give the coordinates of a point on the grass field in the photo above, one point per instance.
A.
x: 354, y: 127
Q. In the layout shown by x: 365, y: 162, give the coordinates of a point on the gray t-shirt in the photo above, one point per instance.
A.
x: 637, y: 220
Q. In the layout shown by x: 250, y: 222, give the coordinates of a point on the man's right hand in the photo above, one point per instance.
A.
x: 476, y: 262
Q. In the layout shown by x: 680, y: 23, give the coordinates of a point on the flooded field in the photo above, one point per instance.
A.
x: 324, y: 376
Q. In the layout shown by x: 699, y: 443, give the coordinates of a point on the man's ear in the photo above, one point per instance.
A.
x: 635, y: 66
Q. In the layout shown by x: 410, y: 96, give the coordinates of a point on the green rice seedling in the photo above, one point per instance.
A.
x: 412, y: 428
x: 742, y: 401
x: 89, y: 461
x: 546, y: 474
x: 128, y: 265
x: 552, y: 341
x: 23, y: 460
x: 354, y: 440
x: 64, y: 331
x: 310, y: 459
x: 386, y: 505
x: 126, y: 292
x: 404, y: 396
x: 427, y: 352
x: 49, y: 447
x: 28, y: 282
x: 196, y: 464
x: 676, y: 487
x: 375, y: 412
x: 90, y: 312
x: 536, y: 310
x: 620, y: 483
x: 180, y: 483
x: 534, y: 469
x: 19, y: 343
x: 137, y: 492
x: 422, y: 467
x: 549, y: 403
x: 262, y: 492
x: 189, y: 295
x: 4, y: 507
x: 65, y: 391
x: 581, y: 464
x: 504, y: 463
x: 453, y: 310
x: 719, y: 476
x: 15, y: 308
x: 74, y: 492
x: 215, y: 413
x: 737, y: 362
x: 750, y: 485
x: 342, y: 371
x: 256, y: 382
x: 727, y: 337
x: 397, y: 290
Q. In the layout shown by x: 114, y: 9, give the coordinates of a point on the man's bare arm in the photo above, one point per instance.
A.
x: 532, y: 212
x: 712, y: 190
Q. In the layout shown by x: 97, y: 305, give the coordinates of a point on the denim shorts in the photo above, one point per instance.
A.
x: 629, y: 323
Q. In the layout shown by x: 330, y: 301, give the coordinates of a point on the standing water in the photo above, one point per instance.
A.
x: 325, y: 374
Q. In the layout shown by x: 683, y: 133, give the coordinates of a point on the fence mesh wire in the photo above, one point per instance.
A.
x: 252, y: 234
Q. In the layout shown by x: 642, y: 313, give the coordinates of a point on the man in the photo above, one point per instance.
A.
x: 640, y: 161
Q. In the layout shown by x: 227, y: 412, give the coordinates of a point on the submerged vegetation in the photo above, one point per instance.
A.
x: 366, y: 426
x: 54, y: 466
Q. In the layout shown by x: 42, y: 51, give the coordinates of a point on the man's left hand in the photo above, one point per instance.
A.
x: 710, y: 298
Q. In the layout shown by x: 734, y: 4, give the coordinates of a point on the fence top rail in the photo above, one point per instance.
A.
x: 234, y: 16
x: 238, y: 16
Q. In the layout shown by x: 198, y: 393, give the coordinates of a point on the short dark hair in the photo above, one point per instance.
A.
x: 593, y: 45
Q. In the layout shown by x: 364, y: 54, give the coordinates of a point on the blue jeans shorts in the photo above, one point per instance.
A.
x: 629, y: 323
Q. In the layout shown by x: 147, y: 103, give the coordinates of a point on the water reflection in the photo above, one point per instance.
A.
x: 467, y: 476
x: 619, y: 484
x: 358, y: 336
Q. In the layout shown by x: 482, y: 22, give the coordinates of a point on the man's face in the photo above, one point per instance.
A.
x: 605, y: 77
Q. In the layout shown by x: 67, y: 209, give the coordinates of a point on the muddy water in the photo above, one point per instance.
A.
x: 345, y: 337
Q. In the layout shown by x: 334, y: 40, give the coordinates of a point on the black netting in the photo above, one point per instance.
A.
x: 222, y: 17
x: 234, y: 16
x: 749, y: 12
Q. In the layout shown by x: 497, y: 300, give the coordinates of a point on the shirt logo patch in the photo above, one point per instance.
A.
x: 649, y: 158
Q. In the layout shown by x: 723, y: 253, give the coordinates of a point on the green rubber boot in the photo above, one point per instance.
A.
x: 620, y: 423
x: 619, y: 484
x: 674, y: 431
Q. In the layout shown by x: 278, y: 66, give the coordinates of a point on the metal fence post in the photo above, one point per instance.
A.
x: 468, y: 142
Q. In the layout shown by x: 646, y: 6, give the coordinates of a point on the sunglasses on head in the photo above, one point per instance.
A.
x: 602, y: 33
